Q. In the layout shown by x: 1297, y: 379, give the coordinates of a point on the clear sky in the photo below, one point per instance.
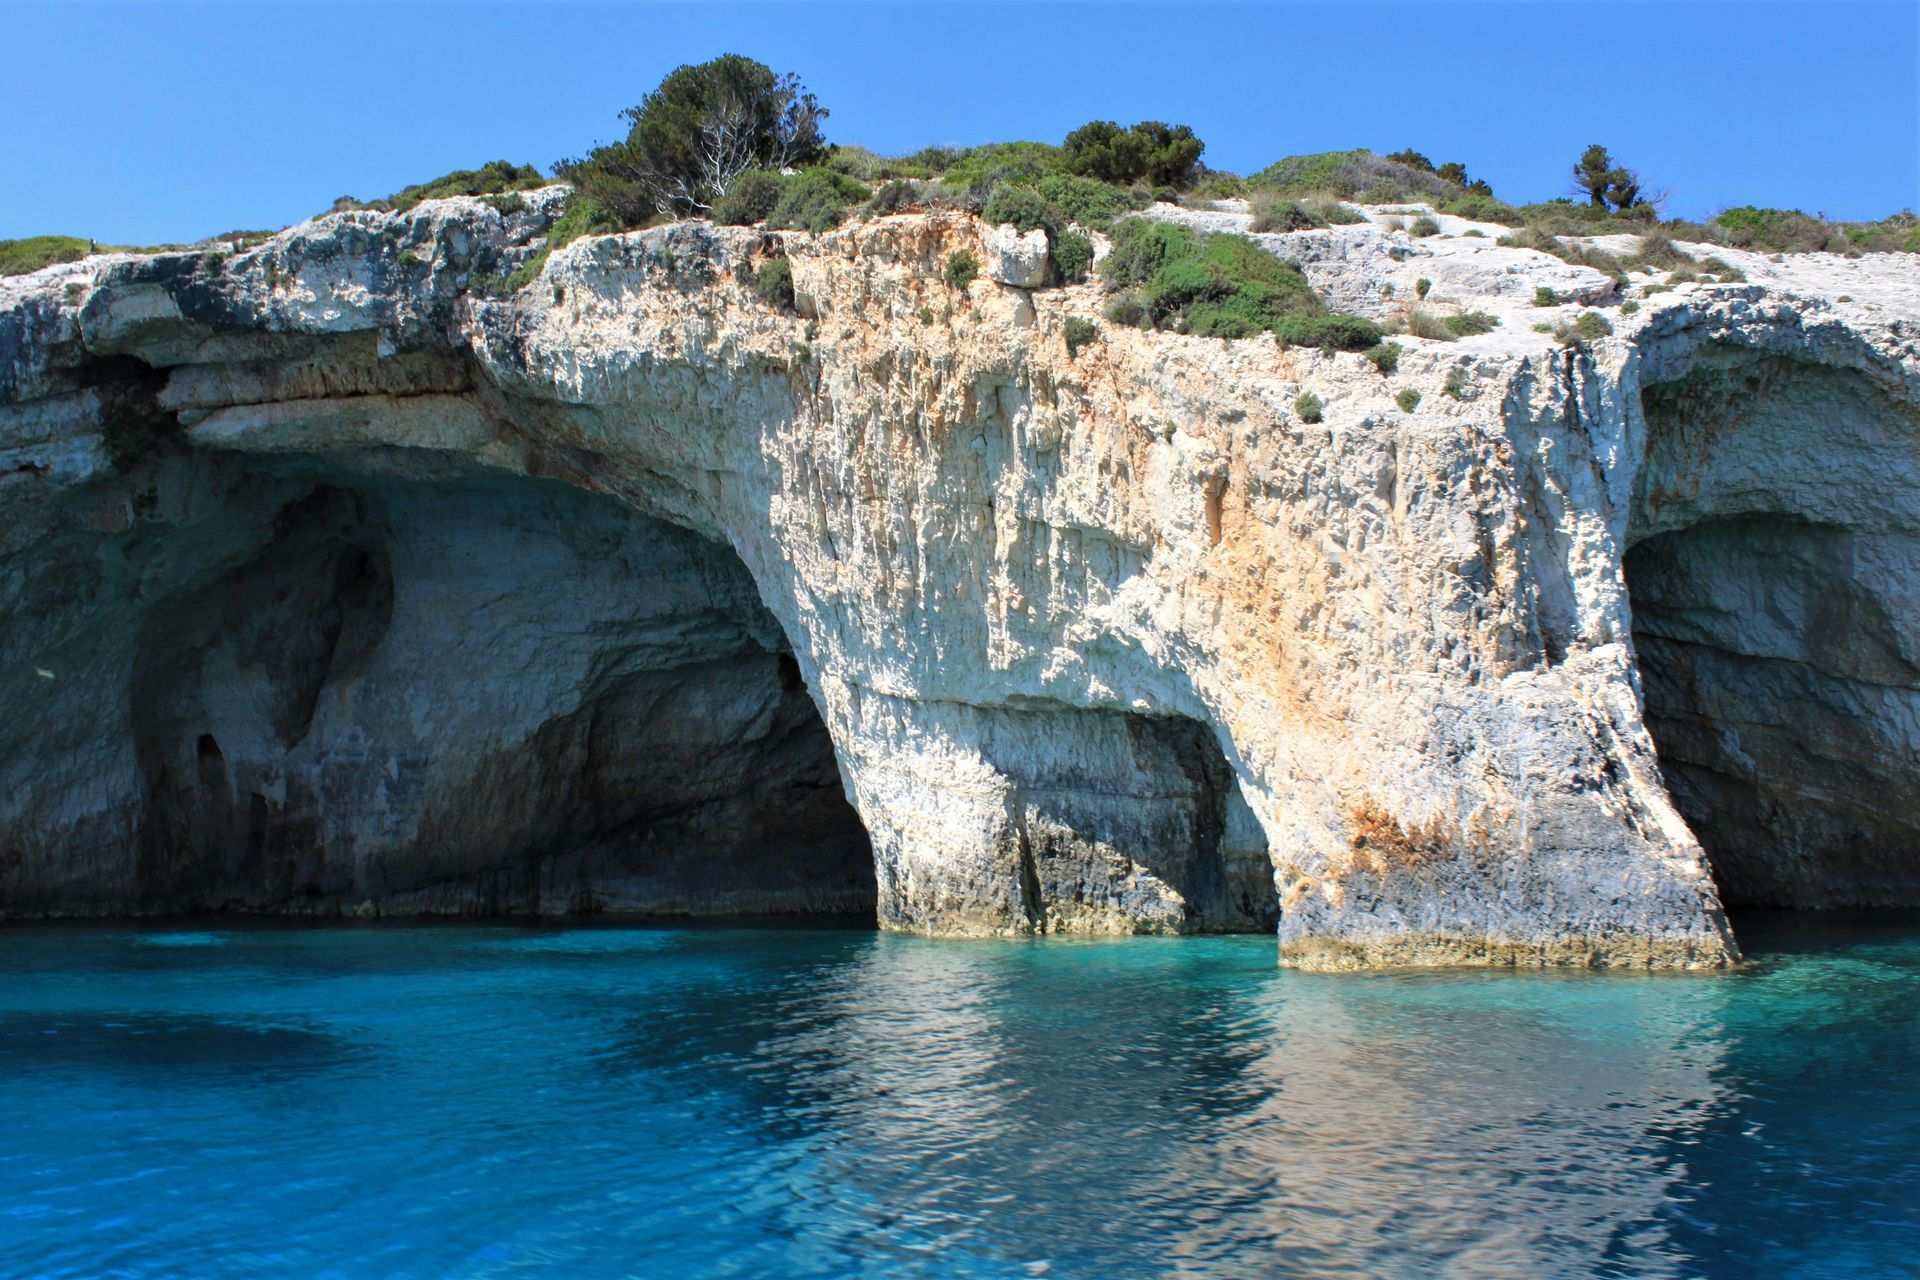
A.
x: 155, y: 122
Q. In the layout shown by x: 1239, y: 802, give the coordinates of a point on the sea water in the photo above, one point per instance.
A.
x: 388, y: 1101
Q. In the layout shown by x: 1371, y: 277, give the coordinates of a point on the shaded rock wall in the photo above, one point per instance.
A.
x: 1775, y: 576
x: 352, y: 692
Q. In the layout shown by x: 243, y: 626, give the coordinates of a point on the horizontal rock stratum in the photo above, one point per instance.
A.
x: 330, y: 586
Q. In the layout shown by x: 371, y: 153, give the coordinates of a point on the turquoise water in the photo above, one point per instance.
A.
x: 481, y: 1101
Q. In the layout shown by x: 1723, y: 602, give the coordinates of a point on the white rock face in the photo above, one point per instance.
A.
x: 1018, y: 258
x: 464, y: 592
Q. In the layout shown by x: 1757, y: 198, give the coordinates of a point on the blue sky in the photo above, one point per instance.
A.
x: 150, y: 123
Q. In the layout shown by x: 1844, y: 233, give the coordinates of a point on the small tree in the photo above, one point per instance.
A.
x: 1160, y: 154
x: 1593, y: 175
x: 702, y: 128
x: 1605, y: 183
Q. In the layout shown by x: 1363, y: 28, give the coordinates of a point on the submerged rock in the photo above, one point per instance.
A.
x: 330, y: 585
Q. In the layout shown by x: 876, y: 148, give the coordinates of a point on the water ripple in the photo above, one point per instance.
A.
x: 741, y: 1102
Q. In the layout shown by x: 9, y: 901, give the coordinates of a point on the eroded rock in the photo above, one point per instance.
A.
x: 329, y: 586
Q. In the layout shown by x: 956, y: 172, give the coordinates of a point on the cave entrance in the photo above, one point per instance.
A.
x: 1774, y: 574
x: 479, y: 698
x: 1128, y: 823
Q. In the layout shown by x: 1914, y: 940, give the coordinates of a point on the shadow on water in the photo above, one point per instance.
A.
x: 186, y: 1049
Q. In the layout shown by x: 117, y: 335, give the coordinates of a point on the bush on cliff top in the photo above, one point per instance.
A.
x: 816, y: 200
x: 1223, y: 286
x: 494, y: 177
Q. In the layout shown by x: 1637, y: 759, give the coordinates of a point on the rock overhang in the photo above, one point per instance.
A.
x: 1406, y: 635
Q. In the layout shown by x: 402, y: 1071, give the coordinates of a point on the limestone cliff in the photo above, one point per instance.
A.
x: 329, y: 585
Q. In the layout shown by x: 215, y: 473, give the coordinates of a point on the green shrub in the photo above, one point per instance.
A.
x: 1273, y: 213
x: 662, y: 164
x: 816, y: 200
x: 895, y: 197
x: 1469, y: 323
x: 1592, y: 325
x: 773, y: 282
x: 1308, y: 407
x: 1218, y: 184
x: 1079, y: 332
x: 1333, y: 212
x: 1408, y: 399
x: 1657, y: 251
x: 1023, y: 209
x: 496, y: 176
x: 751, y: 199
x: 18, y: 257
x: 1323, y: 171
x: 1785, y: 230
x: 1423, y: 226
x: 1094, y: 205
x: 1361, y: 175
x: 1141, y: 248
x: 961, y: 269
x: 924, y: 315
x: 1160, y: 154
x: 1336, y: 332
x: 1479, y: 208
x: 1456, y: 383
x: 407, y: 258
x: 975, y: 172
x: 1629, y: 307
x: 1223, y: 286
x: 1073, y: 256
x: 1127, y: 309
x: 1385, y: 357
x: 1422, y: 287
x: 1545, y: 297
x: 506, y: 206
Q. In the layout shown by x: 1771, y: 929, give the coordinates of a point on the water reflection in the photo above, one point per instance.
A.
x: 744, y: 1102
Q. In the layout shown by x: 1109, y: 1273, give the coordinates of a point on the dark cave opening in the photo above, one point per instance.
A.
x: 481, y: 698
x: 1774, y: 585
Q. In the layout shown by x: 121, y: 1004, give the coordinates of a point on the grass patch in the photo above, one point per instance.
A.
x: 1408, y: 399
x: 18, y: 257
x: 1309, y: 408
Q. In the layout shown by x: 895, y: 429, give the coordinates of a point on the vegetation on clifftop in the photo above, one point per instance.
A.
x: 733, y: 140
